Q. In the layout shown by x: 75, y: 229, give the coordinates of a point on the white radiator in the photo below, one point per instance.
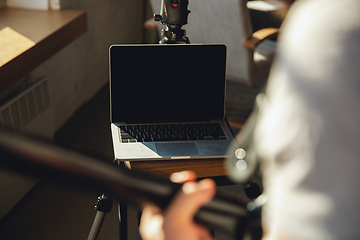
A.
x: 28, y: 112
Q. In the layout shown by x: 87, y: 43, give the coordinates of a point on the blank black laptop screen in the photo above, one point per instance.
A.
x: 167, y: 83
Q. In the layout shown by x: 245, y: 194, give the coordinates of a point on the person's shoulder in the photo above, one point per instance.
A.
x: 323, y: 16
x: 318, y: 31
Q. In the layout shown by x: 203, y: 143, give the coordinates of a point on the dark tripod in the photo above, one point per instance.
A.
x: 173, y: 14
x: 103, y: 206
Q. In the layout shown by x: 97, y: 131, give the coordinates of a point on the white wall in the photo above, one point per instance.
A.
x: 80, y: 70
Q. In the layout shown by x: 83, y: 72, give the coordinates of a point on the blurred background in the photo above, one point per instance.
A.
x: 71, y: 108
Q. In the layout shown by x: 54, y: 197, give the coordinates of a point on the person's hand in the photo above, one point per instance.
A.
x: 177, y: 221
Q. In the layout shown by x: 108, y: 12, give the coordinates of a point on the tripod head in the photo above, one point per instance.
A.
x: 173, y: 14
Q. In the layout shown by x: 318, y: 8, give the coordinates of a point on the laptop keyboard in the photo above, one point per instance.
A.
x: 171, y: 132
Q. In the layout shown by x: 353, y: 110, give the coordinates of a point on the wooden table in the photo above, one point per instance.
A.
x: 202, y: 167
x: 30, y: 37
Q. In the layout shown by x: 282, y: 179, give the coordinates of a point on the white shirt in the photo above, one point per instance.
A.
x: 308, y: 132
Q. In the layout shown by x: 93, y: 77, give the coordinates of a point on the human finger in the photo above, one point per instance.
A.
x: 151, y: 223
x: 182, y: 177
x: 191, y: 198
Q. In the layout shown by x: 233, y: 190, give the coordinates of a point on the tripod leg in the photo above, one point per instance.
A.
x: 103, y: 206
x: 122, y: 211
x: 95, y: 229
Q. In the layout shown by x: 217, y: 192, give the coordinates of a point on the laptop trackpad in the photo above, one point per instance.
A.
x: 177, y: 149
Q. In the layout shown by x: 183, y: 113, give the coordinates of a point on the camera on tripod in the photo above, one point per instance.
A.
x: 173, y: 14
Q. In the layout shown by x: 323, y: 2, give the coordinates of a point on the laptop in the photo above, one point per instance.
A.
x: 168, y: 101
